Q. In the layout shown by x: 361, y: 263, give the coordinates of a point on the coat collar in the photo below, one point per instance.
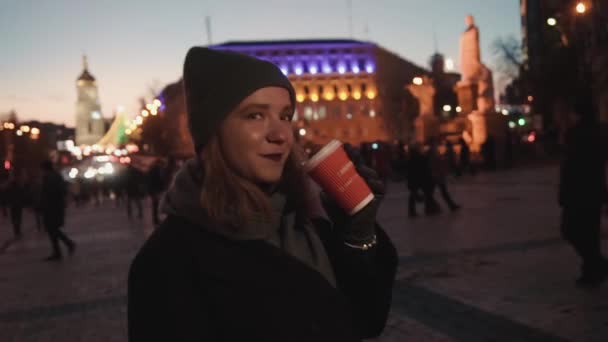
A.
x: 219, y: 257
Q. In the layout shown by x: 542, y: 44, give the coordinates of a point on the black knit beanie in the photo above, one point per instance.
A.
x: 215, y: 82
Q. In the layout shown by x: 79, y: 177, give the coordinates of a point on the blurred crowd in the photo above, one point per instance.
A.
x: 128, y: 187
x: 424, y: 167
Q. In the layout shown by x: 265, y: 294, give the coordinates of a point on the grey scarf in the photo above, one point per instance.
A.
x: 295, y: 237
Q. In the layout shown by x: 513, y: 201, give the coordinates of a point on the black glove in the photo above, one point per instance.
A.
x: 358, y: 228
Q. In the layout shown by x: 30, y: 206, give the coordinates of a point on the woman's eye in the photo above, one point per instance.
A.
x: 255, y: 115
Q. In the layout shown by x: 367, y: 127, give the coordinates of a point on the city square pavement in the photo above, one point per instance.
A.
x: 494, y: 271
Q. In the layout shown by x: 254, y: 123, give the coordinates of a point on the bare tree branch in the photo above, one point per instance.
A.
x: 509, y: 55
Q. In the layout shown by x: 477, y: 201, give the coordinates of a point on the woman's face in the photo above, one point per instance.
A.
x: 256, y: 138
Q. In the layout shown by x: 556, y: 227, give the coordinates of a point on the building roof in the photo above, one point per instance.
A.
x: 86, y: 75
x: 291, y: 42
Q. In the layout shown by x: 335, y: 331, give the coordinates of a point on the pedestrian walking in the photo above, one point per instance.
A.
x: 451, y: 158
x: 439, y: 171
x: 582, y: 191
x: 53, y: 203
x: 465, y: 158
x: 16, y: 193
x: 35, y: 193
x: 135, y: 191
x: 156, y: 187
x: 242, y: 255
x: 420, y: 182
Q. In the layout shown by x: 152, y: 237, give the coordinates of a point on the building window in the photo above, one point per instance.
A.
x: 89, y: 127
x: 322, y: 112
x: 349, y: 88
x: 363, y: 87
x: 307, y: 112
x: 306, y: 90
x: 337, y: 112
x: 320, y: 89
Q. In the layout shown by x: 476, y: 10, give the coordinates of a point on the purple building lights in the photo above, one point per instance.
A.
x: 298, y: 58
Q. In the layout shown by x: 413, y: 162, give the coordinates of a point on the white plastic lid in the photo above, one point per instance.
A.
x: 321, y: 155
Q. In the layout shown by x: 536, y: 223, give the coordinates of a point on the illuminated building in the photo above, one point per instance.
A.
x: 90, y: 125
x: 345, y: 89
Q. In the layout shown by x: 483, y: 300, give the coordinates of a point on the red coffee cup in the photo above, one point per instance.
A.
x: 336, y: 175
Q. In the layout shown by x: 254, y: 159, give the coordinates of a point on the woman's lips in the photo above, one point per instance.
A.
x: 276, y: 157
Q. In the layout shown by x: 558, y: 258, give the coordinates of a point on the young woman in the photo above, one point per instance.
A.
x: 247, y: 252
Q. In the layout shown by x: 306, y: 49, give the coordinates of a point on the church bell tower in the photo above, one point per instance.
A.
x: 90, y: 126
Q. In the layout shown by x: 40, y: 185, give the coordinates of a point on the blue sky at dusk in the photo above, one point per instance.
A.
x: 132, y: 44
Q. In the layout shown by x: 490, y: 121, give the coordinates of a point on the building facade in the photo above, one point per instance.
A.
x: 90, y: 125
x: 565, y: 47
x: 345, y: 89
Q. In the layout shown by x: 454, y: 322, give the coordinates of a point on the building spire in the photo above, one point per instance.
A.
x: 86, y: 75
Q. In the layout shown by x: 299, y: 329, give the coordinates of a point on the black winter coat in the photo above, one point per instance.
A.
x: 53, y: 200
x: 187, y: 284
x: 583, y: 168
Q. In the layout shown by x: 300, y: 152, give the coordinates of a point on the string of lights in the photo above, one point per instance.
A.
x: 150, y: 110
x: 32, y: 132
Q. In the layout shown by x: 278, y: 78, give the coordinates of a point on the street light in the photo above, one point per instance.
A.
x: 551, y: 22
x: 581, y: 8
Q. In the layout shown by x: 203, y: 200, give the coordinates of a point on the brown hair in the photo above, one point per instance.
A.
x: 232, y: 201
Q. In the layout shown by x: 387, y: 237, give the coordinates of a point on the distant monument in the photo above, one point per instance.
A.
x: 90, y: 126
x: 470, y: 57
x: 475, y: 89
